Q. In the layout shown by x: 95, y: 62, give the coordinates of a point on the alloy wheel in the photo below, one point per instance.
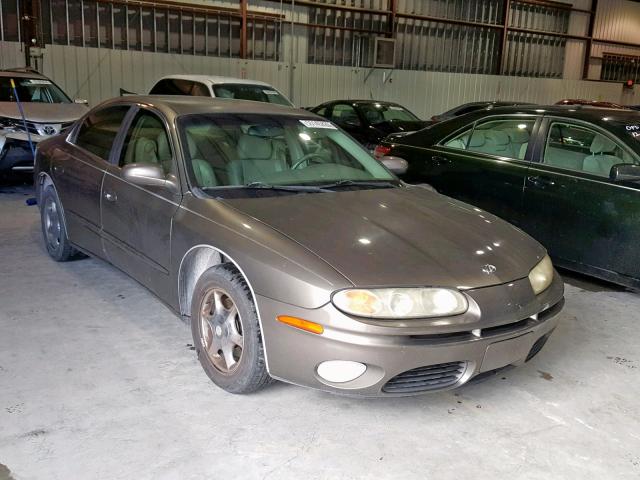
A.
x: 221, y: 330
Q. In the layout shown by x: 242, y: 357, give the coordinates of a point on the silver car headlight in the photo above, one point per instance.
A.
x: 401, y: 302
x: 542, y: 275
x: 9, y: 125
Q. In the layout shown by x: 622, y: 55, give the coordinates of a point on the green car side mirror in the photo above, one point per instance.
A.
x: 625, y: 172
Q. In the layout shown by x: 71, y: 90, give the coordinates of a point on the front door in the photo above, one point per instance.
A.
x: 137, y: 220
x: 484, y: 165
x: 78, y: 174
x: 571, y: 206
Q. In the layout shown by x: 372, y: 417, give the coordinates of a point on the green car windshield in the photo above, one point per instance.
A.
x: 240, y: 150
x: 31, y: 90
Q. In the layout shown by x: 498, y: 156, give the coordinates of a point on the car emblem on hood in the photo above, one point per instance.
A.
x: 49, y: 130
x: 489, y: 269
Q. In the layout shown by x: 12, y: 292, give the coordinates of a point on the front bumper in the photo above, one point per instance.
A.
x: 15, y: 152
x: 402, y: 360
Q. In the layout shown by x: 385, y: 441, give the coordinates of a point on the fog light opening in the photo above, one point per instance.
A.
x: 340, y: 371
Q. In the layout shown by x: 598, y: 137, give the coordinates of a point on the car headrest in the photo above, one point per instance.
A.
x: 517, y: 135
x: 497, y: 137
x: 269, y: 131
x: 250, y: 146
x: 164, y: 152
x: 602, y: 144
x: 477, y: 139
x: 146, y: 151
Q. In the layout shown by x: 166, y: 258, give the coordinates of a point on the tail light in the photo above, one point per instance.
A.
x: 381, y: 151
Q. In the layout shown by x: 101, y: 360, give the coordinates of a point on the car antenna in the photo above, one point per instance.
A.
x: 24, y: 120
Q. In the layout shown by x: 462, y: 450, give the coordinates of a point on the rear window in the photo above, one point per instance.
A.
x: 257, y: 93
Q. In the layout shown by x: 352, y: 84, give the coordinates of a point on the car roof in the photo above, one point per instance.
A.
x: 185, y: 105
x: 579, y: 112
x: 21, y: 74
x: 360, y: 102
x: 215, y: 79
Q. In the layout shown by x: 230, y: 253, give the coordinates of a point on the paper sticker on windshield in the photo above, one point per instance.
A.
x: 318, y: 124
x: 35, y: 81
x: 270, y: 92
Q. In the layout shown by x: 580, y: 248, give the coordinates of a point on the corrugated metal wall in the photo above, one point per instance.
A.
x: 97, y: 74
x: 11, y: 55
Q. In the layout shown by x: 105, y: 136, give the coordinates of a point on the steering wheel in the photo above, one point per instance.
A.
x: 307, y: 158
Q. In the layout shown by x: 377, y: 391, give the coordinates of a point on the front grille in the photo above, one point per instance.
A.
x: 424, y: 379
x: 33, y: 127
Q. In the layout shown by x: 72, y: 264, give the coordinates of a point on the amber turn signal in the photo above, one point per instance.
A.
x: 305, y: 325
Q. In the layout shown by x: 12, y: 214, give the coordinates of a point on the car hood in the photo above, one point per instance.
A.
x: 400, y: 237
x: 44, y: 112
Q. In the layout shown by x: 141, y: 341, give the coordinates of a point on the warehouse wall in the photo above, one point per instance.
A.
x: 97, y: 74
x: 11, y: 55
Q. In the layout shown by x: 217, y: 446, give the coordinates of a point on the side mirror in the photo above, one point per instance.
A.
x: 148, y: 175
x: 80, y: 101
x: 625, y: 172
x: 396, y: 165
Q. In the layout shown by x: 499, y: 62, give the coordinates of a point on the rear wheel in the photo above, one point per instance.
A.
x: 226, y: 332
x: 53, y: 228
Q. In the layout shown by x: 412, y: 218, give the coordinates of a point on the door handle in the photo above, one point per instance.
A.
x: 438, y: 160
x: 58, y: 169
x: 111, y: 197
x: 540, y: 182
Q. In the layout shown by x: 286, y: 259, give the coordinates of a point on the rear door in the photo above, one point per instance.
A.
x: 136, y: 220
x: 484, y: 164
x: 571, y: 206
x: 78, y: 170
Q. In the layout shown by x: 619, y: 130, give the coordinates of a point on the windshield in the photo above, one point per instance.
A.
x: 267, y: 151
x: 35, y: 90
x: 380, y: 112
x: 257, y: 93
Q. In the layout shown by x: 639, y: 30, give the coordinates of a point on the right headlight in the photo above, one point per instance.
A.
x: 10, y: 125
x: 542, y: 275
x: 401, y: 302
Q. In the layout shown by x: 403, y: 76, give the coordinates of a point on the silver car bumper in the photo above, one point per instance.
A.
x: 401, y: 361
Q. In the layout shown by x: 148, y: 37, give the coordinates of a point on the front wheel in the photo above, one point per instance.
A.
x: 226, y: 332
x: 54, y: 230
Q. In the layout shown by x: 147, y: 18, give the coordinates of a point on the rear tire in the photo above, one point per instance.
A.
x: 226, y: 332
x: 54, y: 230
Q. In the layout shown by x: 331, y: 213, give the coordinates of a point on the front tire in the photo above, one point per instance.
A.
x: 226, y: 332
x: 54, y: 230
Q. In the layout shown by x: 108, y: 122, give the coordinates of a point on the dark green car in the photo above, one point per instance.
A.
x: 568, y: 176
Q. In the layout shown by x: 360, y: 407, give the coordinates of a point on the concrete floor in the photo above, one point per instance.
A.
x: 98, y: 380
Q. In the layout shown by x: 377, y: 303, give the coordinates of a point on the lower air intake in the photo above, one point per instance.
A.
x: 424, y: 379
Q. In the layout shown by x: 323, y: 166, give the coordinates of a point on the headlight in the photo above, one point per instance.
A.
x: 541, y: 275
x: 401, y: 302
x: 11, y: 125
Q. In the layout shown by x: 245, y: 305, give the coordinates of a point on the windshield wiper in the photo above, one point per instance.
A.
x: 359, y: 183
x: 286, y: 188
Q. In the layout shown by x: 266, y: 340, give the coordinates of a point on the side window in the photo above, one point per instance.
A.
x: 147, y: 142
x: 503, y: 138
x: 343, y: 114
x: 322, y: 112
x: 200, y: 90
x: 582, y: 149
x: 99, y: 130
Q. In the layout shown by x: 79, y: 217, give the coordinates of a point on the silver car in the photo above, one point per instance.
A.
x: 47, y: 111
x: 292, y: 252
